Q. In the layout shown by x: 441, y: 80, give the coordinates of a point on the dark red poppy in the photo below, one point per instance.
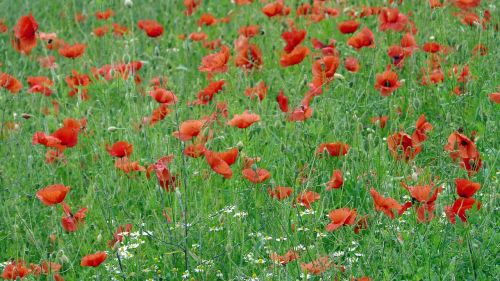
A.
x: 24, y: 39
x: 348, y: 26
x: 282, y: 101
x: 466, y: 188
x: 460, y: 207
x: 152, y: 28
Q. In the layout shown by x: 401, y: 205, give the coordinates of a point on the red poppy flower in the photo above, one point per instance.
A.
x: 207, y: 19
x: 300, y: 114
x: 461, y: 146
x: 432, y: 47
x: 409, y: 44
x: 397, y: 55
x: 334, y: 149
x: 381, y: 120
x: 280, y: 192
x: 293, y: 38
x: 249, y: 31
x: 40, y: 84
x: 217, y: 62
x: 422, y: 127
x: 401, y: 145
x: 282, y: 101
x: 425, y: 198
x: 47, y: 62
x: 163, y: 96
x: 466, y: 4
x: 198, y: 36
x: 341, y: 217
x: 3, y: 27
x: 317, y: 266
x: 52, y: 194
x: 466, y: 188
x: 191, y: 6
x: 276, y: 8
x: 10, y: 83
x: 256, y: 175
x: 336, y: 181
x: 392, y: 19
x: 118, y: 235
x: 385, y: 204
x: 24, y: 39
x: 364, y: 38
x: 296, y: 56
x: 495, y: 97
x: 189, y: 129
x: 220, y: 162
x: 158, y: 114
x: 165, y: 178
x: 70, y: 222
x: 307, y: 197
x: 94, y: 260
x: 15, y: 270
x: 351, y: 64
x: 259, y: 91
x: 323, y: 71
x: 104, y: 15
x: 100, y: 31
x: 243, y: 120
x: 290, y: 256
x: 152, y: 28
x: 387, y: 82
x: 127, y: 166
x: 72, y: 51
x: 436, y: 76
x: 119, y: 30
x: 348, y: 26
x: 120, y: 149
x: 460, y: 207
x: 207, y: 94
x: 248, y: 56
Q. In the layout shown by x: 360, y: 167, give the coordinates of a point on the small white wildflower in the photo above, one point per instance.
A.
x: 185, y: 275
x: 128, y: 3
x: 338, y: 254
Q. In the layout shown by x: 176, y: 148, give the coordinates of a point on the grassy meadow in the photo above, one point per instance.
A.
x: 221, y: 216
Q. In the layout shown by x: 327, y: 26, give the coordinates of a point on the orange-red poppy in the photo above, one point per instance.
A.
x: 387, y: 82
x: 282, y: 101
x: 217, y: 62
x: 380, y: 120
x: 293, y: 38
x: 243, y: 120
x: 306, y: 198
x: 163, y: 96
x: 259, y: 91
x: 336, y: 180
x: 351, y: 64
x: 104, y: 15
x: 256, y: 175
x: 280, y: 192
x: 387, y: 205
x: 10, y: 83
x: 40, y: 84
x: 15, y: 270
x: 52, y: 194
x: 189, y: 129
x: 392, y: 19
x: 72, y: 51
x: 94, y: 260
x: 276, y: 8
x: 341, y: 217
x: 334, y: 149
x: 364, y: 38
x: 294, y: 57
x: 100, y: 31
x: 466, y: 188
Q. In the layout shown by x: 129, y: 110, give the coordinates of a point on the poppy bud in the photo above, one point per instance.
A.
x: 128, y: 3
x: 112, y: 129
x: 239, y: 145
x: 99, y: 238
x: 64, y: 258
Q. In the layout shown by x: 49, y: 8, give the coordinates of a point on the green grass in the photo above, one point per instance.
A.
x: 234, y: 223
